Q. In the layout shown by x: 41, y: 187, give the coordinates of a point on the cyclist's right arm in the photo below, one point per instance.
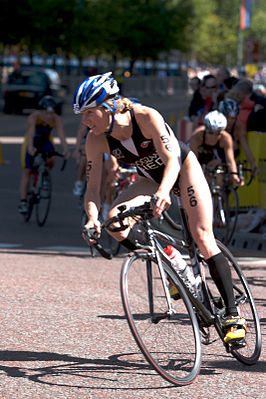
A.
x: 95, y: 147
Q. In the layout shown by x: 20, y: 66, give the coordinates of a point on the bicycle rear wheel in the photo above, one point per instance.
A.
x: 250, y: 353
x: 44, y: 197
x: 170, y: 342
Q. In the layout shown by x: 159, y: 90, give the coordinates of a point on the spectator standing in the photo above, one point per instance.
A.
x: 203, y: 100
x: 241, y: 93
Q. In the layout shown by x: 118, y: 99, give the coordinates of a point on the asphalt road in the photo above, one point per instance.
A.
x: 63, y: 335
x: 63, y: 330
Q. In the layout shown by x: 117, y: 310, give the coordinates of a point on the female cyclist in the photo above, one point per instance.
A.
x: 138, y: 135
x: 38, y: 138
x: 213, y: 145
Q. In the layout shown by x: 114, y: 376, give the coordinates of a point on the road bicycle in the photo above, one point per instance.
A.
x: 225, y: 199
x: 39, y: 193
x: 170, y: 332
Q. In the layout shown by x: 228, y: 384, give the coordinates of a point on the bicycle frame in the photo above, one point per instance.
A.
x: 196, y: 298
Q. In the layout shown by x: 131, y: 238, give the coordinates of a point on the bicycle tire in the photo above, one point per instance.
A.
x: 172, y: 345
x: 44, y: 197
x: 250, y: 353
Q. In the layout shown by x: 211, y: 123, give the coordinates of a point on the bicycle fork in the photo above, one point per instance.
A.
x: 170, y: 311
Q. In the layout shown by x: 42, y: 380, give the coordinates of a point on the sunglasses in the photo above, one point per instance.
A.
x: 213, y: 133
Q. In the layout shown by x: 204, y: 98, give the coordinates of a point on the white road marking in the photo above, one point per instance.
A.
x: 19, y: 140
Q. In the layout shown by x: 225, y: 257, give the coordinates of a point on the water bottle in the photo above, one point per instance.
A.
x: 180, y: 265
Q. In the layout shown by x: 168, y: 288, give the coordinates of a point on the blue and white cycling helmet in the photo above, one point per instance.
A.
x: 215, y: 122
x: 94, y: 91
x: 229, y: 107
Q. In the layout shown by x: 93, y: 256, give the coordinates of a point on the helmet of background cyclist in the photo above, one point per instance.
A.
x: 48, y: 103
x: 215, y: 122
x: 229, y: 107
x: 94, y: 91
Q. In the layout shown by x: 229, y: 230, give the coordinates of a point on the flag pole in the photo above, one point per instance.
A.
x: 240, y: 45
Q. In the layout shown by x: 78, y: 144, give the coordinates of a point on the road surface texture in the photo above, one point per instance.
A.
x: 64, y: 335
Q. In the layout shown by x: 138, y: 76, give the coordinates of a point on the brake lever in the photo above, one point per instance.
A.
x: 153, y: 203
x: 153, y: 200
x: 90, y: 234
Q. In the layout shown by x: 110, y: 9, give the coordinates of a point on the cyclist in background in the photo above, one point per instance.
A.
x: 138, y: 135
x: 213, y: 145
x: 38, y: 138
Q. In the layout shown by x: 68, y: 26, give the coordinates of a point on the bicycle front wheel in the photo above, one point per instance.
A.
x: 43, y: 198
x: 170, y: 341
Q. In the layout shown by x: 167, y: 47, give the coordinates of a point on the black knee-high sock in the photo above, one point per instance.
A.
x: 130, y: 241
x: 221, y: 275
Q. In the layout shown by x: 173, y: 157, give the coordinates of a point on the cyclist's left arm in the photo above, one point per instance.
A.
x: 228, y: 147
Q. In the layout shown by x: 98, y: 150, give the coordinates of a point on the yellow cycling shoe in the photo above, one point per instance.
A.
x: 235, y: 330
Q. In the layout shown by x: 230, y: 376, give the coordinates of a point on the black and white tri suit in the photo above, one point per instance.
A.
x: 208, y: 153
x: 140, y: 151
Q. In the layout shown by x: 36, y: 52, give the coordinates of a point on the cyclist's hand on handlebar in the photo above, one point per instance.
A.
x: 161, y: 203
x: 237, y: 181
x: 93, y: 229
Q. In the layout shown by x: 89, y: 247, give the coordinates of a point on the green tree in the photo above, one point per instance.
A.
x: 141, y: 29
x: 258, y: 26
x: 206, y: 30
x: 215, y: 31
